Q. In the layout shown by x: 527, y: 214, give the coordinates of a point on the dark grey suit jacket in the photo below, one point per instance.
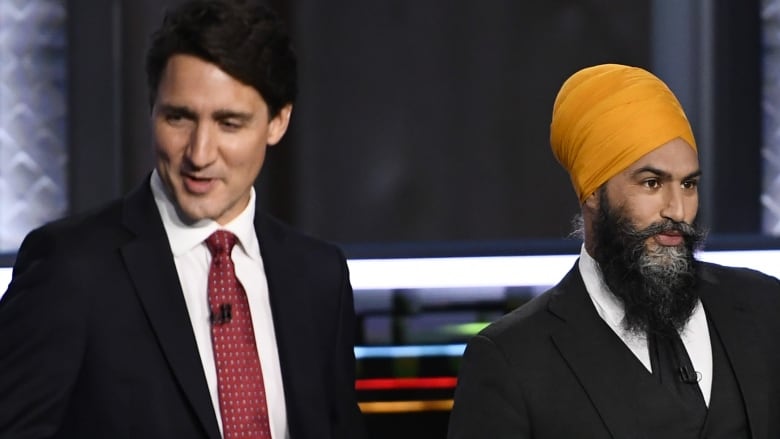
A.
x: 554, y: 369
x: 96, y: 341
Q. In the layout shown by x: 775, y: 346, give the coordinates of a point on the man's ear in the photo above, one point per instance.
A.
x: 278, y: 125
x: 592, y: 202
x: 590, y: 210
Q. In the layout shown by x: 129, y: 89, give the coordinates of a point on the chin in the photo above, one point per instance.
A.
x: 188, y: 216
x: 190, y: 210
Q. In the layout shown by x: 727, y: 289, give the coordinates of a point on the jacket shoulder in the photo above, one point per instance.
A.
x: 270, y: 227
x: 726, y: 273
x: 93, y: 229
x: 751, y: 285
x: 528, y: 321
x: 534, y: 322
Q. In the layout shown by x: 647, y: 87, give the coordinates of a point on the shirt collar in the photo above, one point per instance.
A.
x: 609, y: 307
x: 184, y: 237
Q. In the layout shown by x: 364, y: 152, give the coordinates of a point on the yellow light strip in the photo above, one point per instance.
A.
x: 405, y: 406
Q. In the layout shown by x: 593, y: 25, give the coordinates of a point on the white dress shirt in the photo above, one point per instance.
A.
x: 193, y: 259
x: 695, y: 335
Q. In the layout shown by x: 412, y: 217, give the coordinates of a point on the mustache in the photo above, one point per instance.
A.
x: 688, y: 231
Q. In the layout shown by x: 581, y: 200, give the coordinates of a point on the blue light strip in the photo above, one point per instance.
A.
x: 445, y: 350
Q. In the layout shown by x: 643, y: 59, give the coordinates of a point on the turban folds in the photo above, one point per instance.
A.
x: 607, y: 117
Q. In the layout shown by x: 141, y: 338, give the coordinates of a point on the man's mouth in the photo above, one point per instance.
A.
x: 198, y: 185
x: 669, y: 238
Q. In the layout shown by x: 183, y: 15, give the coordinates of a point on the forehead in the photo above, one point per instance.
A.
x: 676, y: 158
x: 199, y: 82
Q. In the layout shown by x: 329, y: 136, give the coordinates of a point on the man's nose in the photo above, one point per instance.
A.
x: 202, y: 149
x: 674, y: 205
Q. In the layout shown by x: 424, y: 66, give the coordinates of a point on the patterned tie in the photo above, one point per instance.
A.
x: 239, y: 376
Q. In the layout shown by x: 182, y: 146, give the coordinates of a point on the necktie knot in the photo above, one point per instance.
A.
x: 221, y: 243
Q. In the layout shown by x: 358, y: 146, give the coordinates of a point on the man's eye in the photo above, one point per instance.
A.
x: 690, y: 184
x: 174, y: 118
x: 652, y: 183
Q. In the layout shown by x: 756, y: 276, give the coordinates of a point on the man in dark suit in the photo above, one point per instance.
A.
x: 181, y: 310
x: 639, y: 340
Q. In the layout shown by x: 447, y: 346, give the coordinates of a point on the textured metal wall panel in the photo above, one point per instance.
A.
x: 770, y: 194
x: 33, y: 149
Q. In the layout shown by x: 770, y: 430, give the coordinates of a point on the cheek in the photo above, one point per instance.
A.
x: 691, y: 209
x: 245, y: 156
x: 642, y: 213
x: 168, y: 145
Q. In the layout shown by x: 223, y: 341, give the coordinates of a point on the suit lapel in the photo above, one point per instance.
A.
x: 589, y: 347
x: 152, y: 270
x: 287, y: 295
x: 738, y: 332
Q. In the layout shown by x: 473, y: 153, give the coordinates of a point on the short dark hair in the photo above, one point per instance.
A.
x: 243, y: 37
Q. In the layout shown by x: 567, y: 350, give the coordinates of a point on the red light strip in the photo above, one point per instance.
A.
x: 406, y: 383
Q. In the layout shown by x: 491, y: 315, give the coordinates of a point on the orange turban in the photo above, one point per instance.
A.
x: 607, y: 117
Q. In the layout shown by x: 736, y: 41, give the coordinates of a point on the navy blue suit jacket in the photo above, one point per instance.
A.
x: 96, y: 341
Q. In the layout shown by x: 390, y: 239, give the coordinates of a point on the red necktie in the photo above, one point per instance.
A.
x: 239, y: 376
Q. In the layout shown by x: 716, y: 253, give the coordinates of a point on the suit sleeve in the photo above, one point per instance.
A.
x: 348, y: 420
x: 42, y: 327
x: 488, y: 399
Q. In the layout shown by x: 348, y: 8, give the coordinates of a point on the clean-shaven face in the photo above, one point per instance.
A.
x: 210, y: 138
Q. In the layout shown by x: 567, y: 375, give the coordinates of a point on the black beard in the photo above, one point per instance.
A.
x: 656, y: 286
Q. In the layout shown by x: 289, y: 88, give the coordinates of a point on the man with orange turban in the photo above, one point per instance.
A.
x: 639, y: 339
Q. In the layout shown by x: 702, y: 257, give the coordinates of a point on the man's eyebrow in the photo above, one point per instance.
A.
x: 177, y: 110
x: 652, y: 170
x: 664, y: 174
x: 231, y: 114
x: 695, y: 174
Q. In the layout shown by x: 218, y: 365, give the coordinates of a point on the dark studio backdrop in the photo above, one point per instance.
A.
x: 425, y: 123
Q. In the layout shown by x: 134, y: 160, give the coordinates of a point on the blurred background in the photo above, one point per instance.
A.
x: 421, y: 131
